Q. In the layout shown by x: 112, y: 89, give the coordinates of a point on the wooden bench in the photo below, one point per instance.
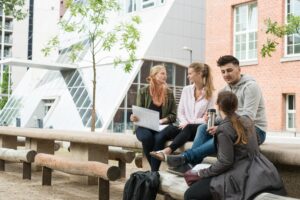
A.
x: 102, y: 171
x: 85, y: 146
x: 123, y: 156
x: 26, y: 156
x: 21, y: 141
x: 173, y: 187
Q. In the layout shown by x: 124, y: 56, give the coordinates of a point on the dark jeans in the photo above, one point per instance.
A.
x: 199, y: 190
x: 261, y: 135
x: 203, y: 144
x: 154, y: 141
x: 186, y: 134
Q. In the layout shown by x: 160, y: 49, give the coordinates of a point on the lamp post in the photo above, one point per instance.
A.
x: 190, y: 51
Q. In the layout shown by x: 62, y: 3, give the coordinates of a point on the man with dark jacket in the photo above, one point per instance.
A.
x: 250, y: 104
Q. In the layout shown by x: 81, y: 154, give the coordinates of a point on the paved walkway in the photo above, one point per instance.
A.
x: 13, y: 187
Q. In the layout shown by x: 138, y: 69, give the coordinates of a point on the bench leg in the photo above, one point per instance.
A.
x: 26, y: 170
x: 47, y: 173
x: 122, y: 166
x: 103, y: 188
x: 2, y: 165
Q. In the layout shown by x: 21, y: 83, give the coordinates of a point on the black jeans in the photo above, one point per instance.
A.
x: 184, y: 135
x: 199, y: 190
x: 154, y: 141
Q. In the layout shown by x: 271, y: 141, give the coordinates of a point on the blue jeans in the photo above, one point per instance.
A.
x: 261, y: 135
x: 154, y: 141
x: 204, y: 144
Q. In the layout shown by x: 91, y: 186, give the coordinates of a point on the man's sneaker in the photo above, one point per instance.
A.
x: 180, y: 170
x: 175, y: 160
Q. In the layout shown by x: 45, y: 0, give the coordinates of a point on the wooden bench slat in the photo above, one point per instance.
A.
x: 121, y: 154
x: 22, y: 155
x: 88, y: 168
x: 268, y: 196
x: 173, y: 185
x: 103, y: 138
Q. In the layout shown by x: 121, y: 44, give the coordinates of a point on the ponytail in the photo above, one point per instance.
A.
x: 228, y: 102
x: 208, y: 81
x: 242, y: 137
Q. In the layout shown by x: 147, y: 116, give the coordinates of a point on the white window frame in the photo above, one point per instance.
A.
x: 51, y: 102
x: 133, y: 6
x: 290, y: 112
x: 247, y: 33
x: 286, y: 37
x: 139, y: 4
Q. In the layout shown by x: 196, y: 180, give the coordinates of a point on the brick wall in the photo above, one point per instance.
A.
x: 275, y: 78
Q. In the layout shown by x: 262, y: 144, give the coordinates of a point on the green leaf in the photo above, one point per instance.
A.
x: 97, y: 12
x: 269, y: 48
x: 279, y: 31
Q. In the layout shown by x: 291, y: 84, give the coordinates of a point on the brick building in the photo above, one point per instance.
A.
x: 238, y: 27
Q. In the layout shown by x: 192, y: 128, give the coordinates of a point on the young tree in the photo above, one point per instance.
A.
x: 93, y: 20
x: 5, y: 87
x: 14, y: 8
x: 279, y: 31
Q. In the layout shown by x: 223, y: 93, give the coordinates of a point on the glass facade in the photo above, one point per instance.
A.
x: 80, y: 97
x: 176, y: 80
x: 65, y: 54
x: 10, y: 111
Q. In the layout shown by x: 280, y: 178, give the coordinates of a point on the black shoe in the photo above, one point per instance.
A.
x: 180, y: 170
x: 175, y: 160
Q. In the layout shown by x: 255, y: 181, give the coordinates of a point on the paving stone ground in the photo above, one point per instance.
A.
x: 13, y: 187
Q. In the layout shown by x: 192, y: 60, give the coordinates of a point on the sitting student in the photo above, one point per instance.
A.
x: 251, y: 104
x: 156, y: 96
x: 194, y: 102
x: 241, y: 171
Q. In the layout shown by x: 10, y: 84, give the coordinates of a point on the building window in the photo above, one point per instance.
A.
x: 47, y: 105
x: 130, y: 6
x: 147, y: 3
x: 137, y: 5
x: 290, y: 112
x: 292, y: 41
x: 245, y: 32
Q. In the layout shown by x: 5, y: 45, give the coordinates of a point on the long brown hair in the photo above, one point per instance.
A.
x: 207, y: 77
x: 228, y: 103
x: 157, y: 92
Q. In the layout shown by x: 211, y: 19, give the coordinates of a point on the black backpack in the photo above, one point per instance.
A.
x: 141, y: 186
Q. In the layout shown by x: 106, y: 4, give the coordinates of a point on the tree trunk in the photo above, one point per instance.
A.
x: 93, y: 120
